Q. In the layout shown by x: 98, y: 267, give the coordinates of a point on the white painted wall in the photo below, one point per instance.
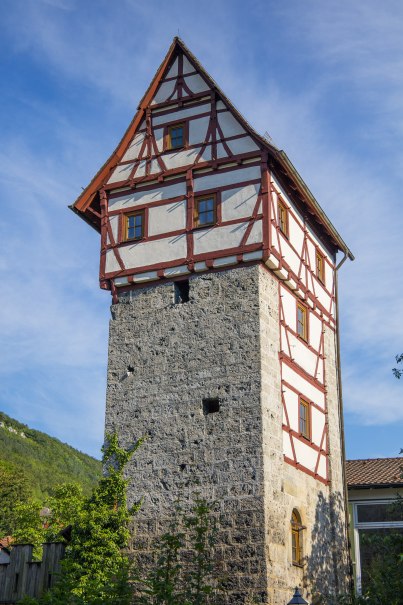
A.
x: 221, y: 178
x: 239, y: 202
x: 179, y: 115
x: 166, y: 218
x: 139, y: 197
x: 196, y: 83
x: 173, y: 71
x: 142, y: 253
x: 198, y: 130
x: 229, y: 125
x: 218, y: 238
x: 305, y: 454
x: 135, y: 147
x: 184, y: 157
x: 318, y: 423
x: 308, y: 390
x: 121, y: 173
x: 244, y: 145
x: 164, y: 92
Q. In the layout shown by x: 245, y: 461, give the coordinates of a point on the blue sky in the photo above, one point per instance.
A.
x: 324, y: 79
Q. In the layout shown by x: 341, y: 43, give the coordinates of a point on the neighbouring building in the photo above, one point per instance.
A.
x: 375, y: 492
x: 223, y: 344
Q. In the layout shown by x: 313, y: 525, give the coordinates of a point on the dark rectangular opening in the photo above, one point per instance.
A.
x: 211, y: 405
x: 181, y: 291
x: 16, y: 582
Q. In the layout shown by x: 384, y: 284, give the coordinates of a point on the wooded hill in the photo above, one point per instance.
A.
x: 43, y: 460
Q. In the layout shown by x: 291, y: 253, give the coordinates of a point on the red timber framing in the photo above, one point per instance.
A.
x: 87, y: 204
x: 318, y: 445
x: 144, y: 162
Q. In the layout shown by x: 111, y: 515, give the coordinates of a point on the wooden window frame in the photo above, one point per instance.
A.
x: 197, y: 201
x: 302, y: 402
x: 282, y: 210
x: 320, y: 266
x: 304, y: 309
x: 125, y: 225
x: 167, y: 135
x: 297, y: 555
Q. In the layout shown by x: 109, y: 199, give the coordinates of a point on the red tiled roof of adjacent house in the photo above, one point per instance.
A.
x: 374, y: 472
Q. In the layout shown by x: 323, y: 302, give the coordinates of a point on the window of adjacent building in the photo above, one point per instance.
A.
x: 282, y: 217
x: 320, y: 267
x: 205, y: 211
x: 134, y: 225
x: 176, y: 136
x: 296, y: 538
x: 378, y: 529
x: 304, y: 420
x: 302, y: 326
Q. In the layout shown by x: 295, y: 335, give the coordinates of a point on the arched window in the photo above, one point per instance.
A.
x: 296, y: 538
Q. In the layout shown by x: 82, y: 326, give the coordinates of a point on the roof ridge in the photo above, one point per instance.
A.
x: 372, y: 459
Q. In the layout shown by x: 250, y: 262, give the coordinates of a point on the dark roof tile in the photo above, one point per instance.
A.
x: 374, y: 472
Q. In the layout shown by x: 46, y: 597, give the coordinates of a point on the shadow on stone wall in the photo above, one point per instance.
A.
x: 327, y: 565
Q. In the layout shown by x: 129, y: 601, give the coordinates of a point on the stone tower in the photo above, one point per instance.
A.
x: 223, y: 338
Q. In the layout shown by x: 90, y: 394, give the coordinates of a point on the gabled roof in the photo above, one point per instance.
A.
x: 277, y: 158
x: 374, y: 472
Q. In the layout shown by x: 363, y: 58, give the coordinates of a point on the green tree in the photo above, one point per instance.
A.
x: 14, y: 489
x: 36, y: 523
x: 95, y: 570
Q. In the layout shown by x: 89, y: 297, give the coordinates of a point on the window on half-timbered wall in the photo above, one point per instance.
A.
x: 282, y: 217
x: 296, y: 538
x: 134, y: 225
x: 304, y: 419
x: 176, y: 136
x: 205, y: 211
x: 320, y: 267
x: 302, y: 322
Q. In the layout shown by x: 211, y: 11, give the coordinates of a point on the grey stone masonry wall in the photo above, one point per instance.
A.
x: 164, y: 360
x: 181, y: 354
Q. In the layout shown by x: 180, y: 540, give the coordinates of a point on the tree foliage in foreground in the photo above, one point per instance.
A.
x: 94, y: 569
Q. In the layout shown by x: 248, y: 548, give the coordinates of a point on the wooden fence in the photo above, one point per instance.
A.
x: 22, y: 576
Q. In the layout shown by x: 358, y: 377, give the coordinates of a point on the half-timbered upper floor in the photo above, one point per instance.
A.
x: 192, y: 187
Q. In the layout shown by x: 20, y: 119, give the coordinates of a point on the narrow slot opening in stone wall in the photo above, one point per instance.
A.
x: 181, y: 291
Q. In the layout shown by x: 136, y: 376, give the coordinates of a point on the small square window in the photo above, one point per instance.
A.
x: 282, y: 217
x: 320, y: 267
x: 176, y: 136
x: 134, y: 225
x: 211, y: 405
x: 205, y: 211
x: 302, y: 327
x: 304, y: 424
